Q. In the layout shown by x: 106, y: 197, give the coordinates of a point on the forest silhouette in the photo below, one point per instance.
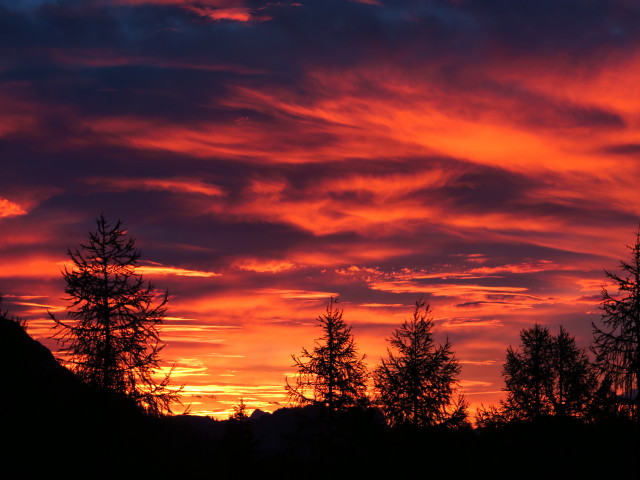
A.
x: 98, y: 408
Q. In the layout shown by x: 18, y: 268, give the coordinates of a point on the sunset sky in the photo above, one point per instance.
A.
x: 484, y: 154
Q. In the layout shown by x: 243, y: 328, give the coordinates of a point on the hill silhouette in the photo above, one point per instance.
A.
x: 57, y: 425
x: 40, y: 388
x: 47, y: 412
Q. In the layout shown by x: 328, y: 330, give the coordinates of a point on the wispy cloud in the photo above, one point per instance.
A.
x: 9, y: 209
x: 158, y: 269
x: 177, y: 185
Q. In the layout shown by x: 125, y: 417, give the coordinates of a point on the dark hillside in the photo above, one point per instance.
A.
x: 55, y: 424
x: 49, y: 415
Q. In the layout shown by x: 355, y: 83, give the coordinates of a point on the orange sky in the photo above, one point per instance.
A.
x: 267, y: 156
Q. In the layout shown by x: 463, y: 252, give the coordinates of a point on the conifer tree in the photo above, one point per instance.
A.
x: 416, y: 383
x: 112, y: 339
x: 574, y: 381
x: 617, y: 342
x: 528, y: 375
x: 548, y: 376
x: 332, y: 374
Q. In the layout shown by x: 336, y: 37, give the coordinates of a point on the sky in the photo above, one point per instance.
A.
x: 266, y: 156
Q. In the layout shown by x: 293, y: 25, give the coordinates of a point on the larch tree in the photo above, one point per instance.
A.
x: 617, y: 341
x: 333, y: 374
x: 417, y: 381
x: 528, y: 375
x: 548, y: 376
x: 111, y: 340
x: 574, y: 381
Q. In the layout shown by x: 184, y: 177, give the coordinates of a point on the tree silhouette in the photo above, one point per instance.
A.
x: 617, y: 343
x: 238, y: 437
x: 528, y: 374
x: 6, y: 315
x: 604, y: 406
x: 415, y: 384
x: 332, y: 374
x: 112, y: 341
x: 573, y: 382
x: 549, y: 376
x: 491, y: 416
x: 239, y: 412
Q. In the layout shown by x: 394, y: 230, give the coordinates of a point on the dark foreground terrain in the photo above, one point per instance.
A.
x: 54, y: 425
